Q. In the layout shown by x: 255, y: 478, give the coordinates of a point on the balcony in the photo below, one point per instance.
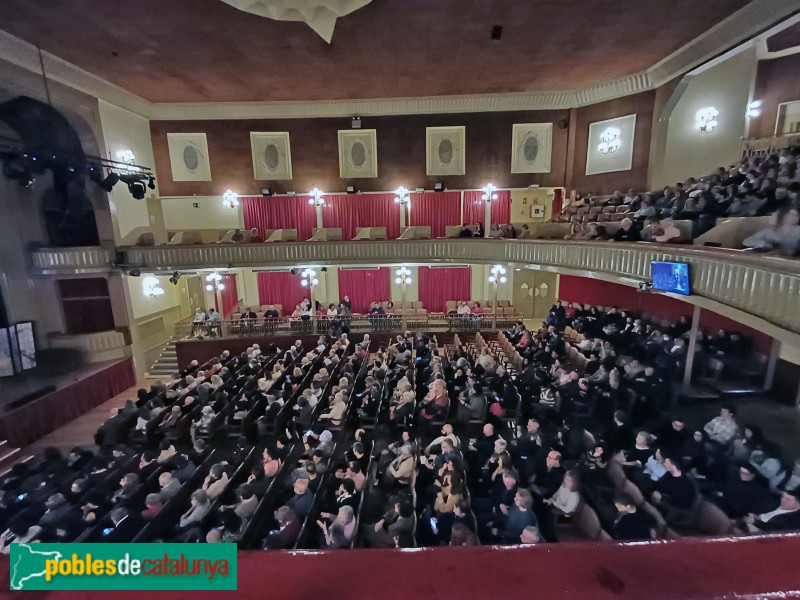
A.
x: 767, y: 287
x: 81, y: 260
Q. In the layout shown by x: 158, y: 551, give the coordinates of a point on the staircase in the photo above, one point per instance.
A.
x: 166, y: 364
x: 10, y: 456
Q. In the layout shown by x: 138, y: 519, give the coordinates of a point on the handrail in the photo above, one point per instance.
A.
x: 765, y: 286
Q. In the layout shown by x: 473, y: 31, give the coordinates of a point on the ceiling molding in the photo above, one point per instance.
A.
x: 746, y: 25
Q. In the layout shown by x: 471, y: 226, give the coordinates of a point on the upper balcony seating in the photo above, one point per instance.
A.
x: 415, y: 233
x: 370, y: 233
x: 326, y: 234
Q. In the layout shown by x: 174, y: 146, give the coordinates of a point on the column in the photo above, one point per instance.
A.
x: 687, y: 373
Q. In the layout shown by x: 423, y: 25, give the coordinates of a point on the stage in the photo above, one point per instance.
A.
x: 682, y: 569
x: 35, y: 403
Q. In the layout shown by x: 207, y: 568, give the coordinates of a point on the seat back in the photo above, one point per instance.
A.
x: 710, y: 519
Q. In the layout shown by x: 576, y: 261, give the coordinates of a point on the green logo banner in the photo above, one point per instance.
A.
x: 123, y: 566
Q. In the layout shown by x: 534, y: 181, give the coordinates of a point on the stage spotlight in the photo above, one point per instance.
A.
x: 137, y: 190
x: 351, y: 189
x: 438, y: 186
x: 151, y: 183
x: 135, y: 272
x: 109, y: 182
x: 266, y: 192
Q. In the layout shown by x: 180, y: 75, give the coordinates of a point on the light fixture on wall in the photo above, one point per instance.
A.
x: 706, y: 119
x: 126, y: 156
x: 402, y: 196
x: 151, y: 287
x: 497, y: 277
x: 214, y: 282
x: 609, y: 140
x: 753, y: 109
x: 230, y: 199
x: 489, y: 193
x: 309, y: 278
x: 317, y: 197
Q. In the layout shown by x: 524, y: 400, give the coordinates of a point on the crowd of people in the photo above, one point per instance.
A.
x: 759, y: 186
x: 417, y: 443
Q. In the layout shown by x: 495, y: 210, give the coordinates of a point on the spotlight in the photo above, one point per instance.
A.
x: 109, y: 182
x: 351, y: 189
x: 324, y: 269
x: 151, y: 183
x: 175, y: 277
x: 266, y: 192
x: 438, y: 186
x: 356, y: 123
x: 135, y: 272
x: 293, y: 271
x: 137, y: 190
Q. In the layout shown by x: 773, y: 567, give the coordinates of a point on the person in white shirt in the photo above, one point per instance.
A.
x: 567, y: 498
x: 669, y: 232
x: 447, y: 434
x: 199, y: 321
x: 463, y: 309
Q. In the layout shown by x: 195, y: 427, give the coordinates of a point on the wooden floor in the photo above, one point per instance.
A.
x: 80, y: 432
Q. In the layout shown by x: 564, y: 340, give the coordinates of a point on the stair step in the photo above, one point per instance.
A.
x: 6, y: 468
x: 8, y: 457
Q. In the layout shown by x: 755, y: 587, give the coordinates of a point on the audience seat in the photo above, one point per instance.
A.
x: 282, y: 235
x: 326, y: 234
x: 185, y: 237
x: 711, y: 520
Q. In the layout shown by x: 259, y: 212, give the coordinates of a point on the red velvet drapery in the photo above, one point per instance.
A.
x: 558, y: 202
x: 364, y: 286
x: 279, y: 212
x: 229, y: 294
x: 280, y: 287
x: 351, y: 211
x: 436, y: 209
x: 474, y: 207
x: 438, y: 285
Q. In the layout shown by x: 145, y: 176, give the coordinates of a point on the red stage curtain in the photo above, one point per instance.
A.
x: 279, y: 212
x: 438, y: 285
x: 558, y: 202
x: 436, y: 209
x: 474, y: 207
x: 351, y: 211
x: 280, y: 287
x: 229, y: 294
x: 364, y: 286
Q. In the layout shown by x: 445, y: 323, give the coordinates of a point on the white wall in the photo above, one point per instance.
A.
x: 181, y: 213
x: 141, y: 304
x: 691, y: 153
x: 483, y: 290
x: 123, y: 130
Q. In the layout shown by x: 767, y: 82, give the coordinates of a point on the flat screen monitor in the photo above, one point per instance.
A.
x: 671, y: 277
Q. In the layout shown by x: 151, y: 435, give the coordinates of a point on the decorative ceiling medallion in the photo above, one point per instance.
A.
x: 320, y: 15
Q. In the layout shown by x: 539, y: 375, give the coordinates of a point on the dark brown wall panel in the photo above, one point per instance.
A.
x: 777, y: 80
x: 605, y: 183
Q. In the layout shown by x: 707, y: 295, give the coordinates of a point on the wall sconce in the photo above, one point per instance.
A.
x: 609, y: 141
x: 214, y: 284
x: 753, y: 109
x: 317, y: 197
x: 151, y: 287
x: 706, y: 119
x: 230, y: 199
x: 126, y: 156
x: 403, y: 196
x: 309, y: 278
x: 489, y: 193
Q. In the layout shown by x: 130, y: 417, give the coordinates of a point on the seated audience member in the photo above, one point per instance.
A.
x: 567, y: 497
x: 169, y: 486
x: 216, y: 481
x: 255, y: 236
x: 400, y: 469
x: 237, y: 237
x: 466, y: 231
x: 783, y: 237
x: 627, y: 232
x: 530, y: 536
x: 341, y: 531
x: 631, y: 523
x: 395, y: 528
x: 461, y: 535
x: 289, y: 526
x: 509, y: 232
x: 746, y: 493
x: 271, y: 313
x: 123, y: 527
x: 198, y: 509
x: 153, y: 505
x: 669, y: 233
x: 674, y: 491
x: 300, y: 503
x: 722, y: 429
x: 784, y: 518
x: 517, y: 517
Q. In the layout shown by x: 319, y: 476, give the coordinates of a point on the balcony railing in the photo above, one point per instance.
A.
x: 72, y: 261
x: 761, y: 285
x: 354, y: 323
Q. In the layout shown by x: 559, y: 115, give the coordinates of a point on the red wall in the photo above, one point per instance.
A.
x: 777, y: 81
x: 604, y: 293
